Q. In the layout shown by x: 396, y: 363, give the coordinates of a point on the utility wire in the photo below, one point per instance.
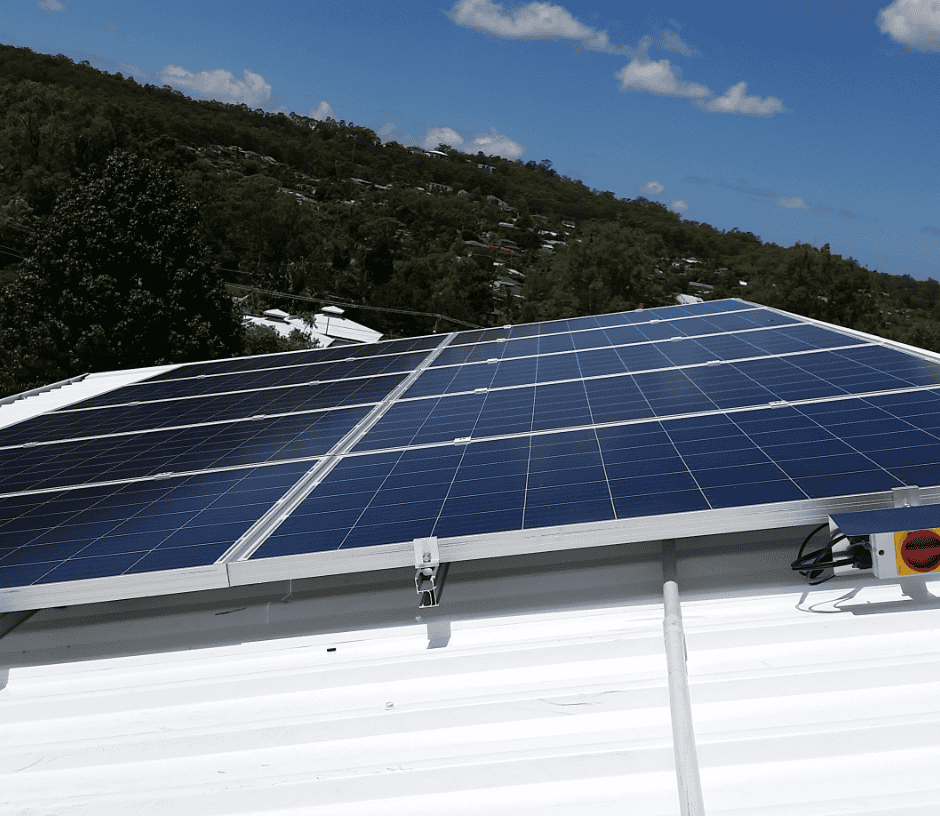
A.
x: 11, y: 251
x: 13, y: 223
x: 347, y: 305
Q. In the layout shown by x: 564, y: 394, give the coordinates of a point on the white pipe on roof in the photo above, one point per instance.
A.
x: 680, y: 701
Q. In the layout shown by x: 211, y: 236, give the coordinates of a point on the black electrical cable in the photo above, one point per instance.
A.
x: 815, y: 563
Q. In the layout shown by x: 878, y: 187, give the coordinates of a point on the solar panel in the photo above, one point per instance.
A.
x: 193, y: 448
x: 596, y: 430
x: 133, y: 527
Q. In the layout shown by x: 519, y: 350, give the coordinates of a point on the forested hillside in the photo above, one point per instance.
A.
x: 325, y: 211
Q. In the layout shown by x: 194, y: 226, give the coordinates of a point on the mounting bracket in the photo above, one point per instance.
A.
x: 429, y: 572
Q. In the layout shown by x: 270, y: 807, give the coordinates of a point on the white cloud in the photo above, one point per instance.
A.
x: 386, y: 130
x: 736, y: 100
x: 658, y: 77
x: 680, y: 206
x: 220, y: 85
x: 492, y: 143
x: 323, y: 111
x: 790, y: 202
x: 535, y: 21
x: 442, y: 135
x: 495, y: 144
x: 914, y: 23
x: 50, y: 5
x: 672, y: 42
x: 651, y: 188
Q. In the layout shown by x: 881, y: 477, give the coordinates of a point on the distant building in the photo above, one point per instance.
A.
x: 328, y: 329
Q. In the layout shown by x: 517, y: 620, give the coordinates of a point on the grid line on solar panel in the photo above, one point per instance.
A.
x: 521, y: 371
x: 747, y: 457
x: 526, y: 427
x: 161, y: 415
x: 237, y: 382
x: 665, y: 392
x: 566, y: 325
x: 133, y: 527
x: 263, y: 361
x: 196, y: 448
x: 614, y: 335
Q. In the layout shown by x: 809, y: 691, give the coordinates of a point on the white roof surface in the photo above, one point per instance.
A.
x: 91, y: 386
x: 326, y: 328
x: 549, y: 696
x: 342, y: 328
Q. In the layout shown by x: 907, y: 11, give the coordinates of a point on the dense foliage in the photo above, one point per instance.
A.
x: 325, y: 210
x: 117, y: 278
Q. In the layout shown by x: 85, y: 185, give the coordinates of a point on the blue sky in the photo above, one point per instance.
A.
x: 797, y: 120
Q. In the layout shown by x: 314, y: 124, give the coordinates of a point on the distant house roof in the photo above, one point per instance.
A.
x: 344, y: 330
x: 327, y: 329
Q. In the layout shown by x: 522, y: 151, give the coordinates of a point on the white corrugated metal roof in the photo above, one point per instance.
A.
x: 548, y: 697
x: 57, y: 397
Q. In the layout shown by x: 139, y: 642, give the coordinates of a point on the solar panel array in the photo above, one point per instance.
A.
x: 610, y: 418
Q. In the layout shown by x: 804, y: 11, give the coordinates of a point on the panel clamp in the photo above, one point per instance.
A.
x: 429, y: 572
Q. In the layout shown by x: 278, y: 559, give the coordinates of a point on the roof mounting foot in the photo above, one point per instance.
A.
x: 429, y: 572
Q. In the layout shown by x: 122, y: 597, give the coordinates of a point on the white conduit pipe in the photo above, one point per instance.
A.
x: 680, y: 701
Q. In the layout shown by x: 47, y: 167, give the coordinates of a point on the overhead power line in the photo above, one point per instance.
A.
x: 11, y: 251
x: 347, y: 305
x: 15, y: 225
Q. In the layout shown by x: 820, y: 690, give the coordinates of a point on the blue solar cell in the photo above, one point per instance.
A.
x: 174, y: 413
x: 920, y: 455
x: 643, y: 486
x: 846, y: 484
x: 894, y: 440
x: 81, y: 536
x: 178, y: 558
x: 921, y: 475
x: 600, y: 362
x: 657, y: 466
x: 488, y: 521
x: 505, y: 483
x: 825, y: 445
x: 687, y: 352
x: 725, y: 458
x: 519, y: 348
x: 558, y: 367
x: 189, y: 449
x: 660, y: 504
x: 514, y: 372
x: 742, y: 495
x: 388, y: 532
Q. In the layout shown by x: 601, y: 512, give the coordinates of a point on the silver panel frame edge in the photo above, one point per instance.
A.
x: 113, y: 588
x: 569, y: 537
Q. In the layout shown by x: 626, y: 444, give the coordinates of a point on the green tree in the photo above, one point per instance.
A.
x: 265, y: 340
x: 116, y: 278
